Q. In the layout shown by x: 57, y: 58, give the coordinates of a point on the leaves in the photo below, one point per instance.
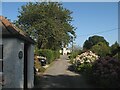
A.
x: 48, y: 22
x: 101, y: 49
x: 93, y: 41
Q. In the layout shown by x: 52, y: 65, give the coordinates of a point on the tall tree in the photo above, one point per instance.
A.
x: 47, y: 22
x: 93, y: 41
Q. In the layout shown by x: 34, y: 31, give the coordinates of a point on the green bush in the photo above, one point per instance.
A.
x: 101, y: 49
x: 83, y: 62
x: 49, y: 54
x: 56, y: 54
x: 74, y: 54
x: 115, y: 50
x: 36, y: 51
x: 84, y: 68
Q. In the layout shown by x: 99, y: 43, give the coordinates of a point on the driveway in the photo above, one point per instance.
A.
x: 58, y: 75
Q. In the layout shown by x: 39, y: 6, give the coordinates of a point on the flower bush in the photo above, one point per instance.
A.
x: 103, y: 71
x: 83, y: 62
x: 106, y: 72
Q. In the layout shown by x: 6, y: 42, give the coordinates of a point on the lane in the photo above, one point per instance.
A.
x: 59, y: 76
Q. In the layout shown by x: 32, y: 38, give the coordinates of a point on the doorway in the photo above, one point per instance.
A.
x: 25, y: 64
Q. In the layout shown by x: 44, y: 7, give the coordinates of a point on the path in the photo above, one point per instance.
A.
x: 58, y: 76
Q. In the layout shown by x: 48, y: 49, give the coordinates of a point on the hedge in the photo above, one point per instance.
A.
x: 49, y: 54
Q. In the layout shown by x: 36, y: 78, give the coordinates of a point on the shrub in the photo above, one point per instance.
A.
x: 56, y: 54
x: 49, y: 54
x: 84, y: 61
x: 114, y: 49
x: 36, y: 50
x: 37, y: 66
x: 73, y: 55
x: 101, y: 49
x: 106, y: 72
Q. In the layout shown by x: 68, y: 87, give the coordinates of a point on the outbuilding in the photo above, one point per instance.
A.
x: 16, y: 56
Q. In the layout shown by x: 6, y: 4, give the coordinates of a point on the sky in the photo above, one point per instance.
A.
x: 89, y: 18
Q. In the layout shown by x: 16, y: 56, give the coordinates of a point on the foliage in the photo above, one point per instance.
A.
x: 114, y: 46
x: 37, y: 65
x: 36, y: 50
x: 83, y: 68
x: 47, y: 22
x: 106, y: 72
x: 73, y: 55
x: 93, y: 41
x: 49, y: 54
x: 114, y: 49
x: 56, y: 54
x: 83, y: 62
x: 101, y: 49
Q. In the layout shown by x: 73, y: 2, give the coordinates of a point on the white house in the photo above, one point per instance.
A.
x: 16, y: 57
x: 64, y: 51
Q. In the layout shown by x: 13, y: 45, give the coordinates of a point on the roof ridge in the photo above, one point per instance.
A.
x: 14, y: 29
x: 8, y: 23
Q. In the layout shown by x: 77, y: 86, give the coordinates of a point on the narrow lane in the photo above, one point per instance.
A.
x: 58, y: 76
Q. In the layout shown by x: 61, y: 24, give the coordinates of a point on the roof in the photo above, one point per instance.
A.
x: 10, y: 30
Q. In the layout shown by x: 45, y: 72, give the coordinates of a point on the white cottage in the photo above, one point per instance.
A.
x: 17, y: 57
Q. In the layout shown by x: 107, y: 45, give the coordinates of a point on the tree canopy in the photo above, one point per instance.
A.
x: 47, y: 22
x: 93, y: 41
x: 101, y: 49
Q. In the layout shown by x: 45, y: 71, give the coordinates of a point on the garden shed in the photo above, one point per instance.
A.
x: 17, y: 56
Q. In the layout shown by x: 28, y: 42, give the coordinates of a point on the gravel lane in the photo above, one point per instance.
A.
x: 59, y: 76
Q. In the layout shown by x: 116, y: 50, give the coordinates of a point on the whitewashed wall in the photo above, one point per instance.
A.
x: 64, y: 51
x: 13, y: 66
x: 30, y: 66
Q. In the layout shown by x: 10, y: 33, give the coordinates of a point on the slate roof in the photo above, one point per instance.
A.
x: 10, y: 30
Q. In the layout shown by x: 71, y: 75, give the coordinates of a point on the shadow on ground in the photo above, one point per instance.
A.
x: 71, y: 68
x: 61, y: 81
